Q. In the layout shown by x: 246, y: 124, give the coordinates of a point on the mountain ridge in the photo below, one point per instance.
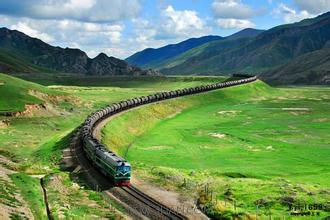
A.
x: 159, y: 57
x: 38, y: 56
x: 257, y: 55
x: 247, y: 32
x: 142, y: 58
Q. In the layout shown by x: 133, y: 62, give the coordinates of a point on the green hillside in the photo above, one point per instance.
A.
x: 311, y: 68
x: 11, y: 62
x: 162, y: 57
x: 262, y: 53
x: 15, y: 93
x: 252, y: 144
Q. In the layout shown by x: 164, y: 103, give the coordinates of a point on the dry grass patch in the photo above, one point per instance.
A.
x: 158, y: 148
x: 217, y: 135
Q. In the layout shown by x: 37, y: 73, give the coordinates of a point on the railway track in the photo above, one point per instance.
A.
x: 163, y: 210
x: 136, y: 201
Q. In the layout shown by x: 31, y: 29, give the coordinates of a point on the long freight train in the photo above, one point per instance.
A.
x: 112, y: 165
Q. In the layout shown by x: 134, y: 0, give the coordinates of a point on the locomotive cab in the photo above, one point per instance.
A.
x: 124, y: 168
x: 123, y: 174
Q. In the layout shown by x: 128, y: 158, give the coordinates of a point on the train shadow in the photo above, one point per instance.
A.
x: 80, y: 168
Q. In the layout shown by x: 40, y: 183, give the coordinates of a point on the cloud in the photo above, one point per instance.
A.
x: 230, y: 23
x: 90, y: 37
x: 88, y: 30
x: 171, y: 24
x: 290, y: 15
x: 314, y: 6
x: 181, y: 23
x: 144, y: 31
x: 81, y: 10
x: 25, y: 28
x: 232, y: 9
x: 234, y: 14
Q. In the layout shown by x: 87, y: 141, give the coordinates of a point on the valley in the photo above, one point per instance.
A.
x: 165, y: 109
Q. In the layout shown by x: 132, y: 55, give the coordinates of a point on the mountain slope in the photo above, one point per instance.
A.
x: 154, y: 57
x: 21, y: 53
x: 247, y: 32
x: 267, y: 50
x: 161, y: 57
x: 310, y: 68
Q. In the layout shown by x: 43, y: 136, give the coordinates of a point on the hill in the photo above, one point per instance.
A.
x: 152, y: 58
x: 310, y: 68
x: 21, y: 53
x: 17, y: 93
x: 270, y: 49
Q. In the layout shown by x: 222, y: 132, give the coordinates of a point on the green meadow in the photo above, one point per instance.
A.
x: 32, y: 141
x: 251, y: 145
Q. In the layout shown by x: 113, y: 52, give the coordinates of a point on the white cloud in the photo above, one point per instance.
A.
x: 181, y: 23
x: 90, y: 37
x: 25, y: 28
x: 232, y: 9
x: 89, y: 30
x: 234, y: 14
x: 81, y: 10
x: 230, y: 23
x: 171, y: 24
x: 290, y: 15
x: 313, y: 6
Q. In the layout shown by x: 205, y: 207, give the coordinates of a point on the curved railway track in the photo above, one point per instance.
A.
x: 163, y: 210
x: 138, y: 204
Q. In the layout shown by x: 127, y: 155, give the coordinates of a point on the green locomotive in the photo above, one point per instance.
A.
x: 111, y: 165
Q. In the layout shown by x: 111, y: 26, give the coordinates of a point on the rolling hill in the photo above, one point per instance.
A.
x: 263, y: 53
x: 17, y: 93
x: 160, y: 57
x: 21, y: 53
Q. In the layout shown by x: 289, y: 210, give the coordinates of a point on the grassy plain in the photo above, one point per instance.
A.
x: 251, y: 145
x: 34, y: 142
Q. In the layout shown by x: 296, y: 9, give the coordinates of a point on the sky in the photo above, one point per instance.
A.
x: 122, y: 27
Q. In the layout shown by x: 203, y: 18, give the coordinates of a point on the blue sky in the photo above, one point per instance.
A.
x: 120, y: 28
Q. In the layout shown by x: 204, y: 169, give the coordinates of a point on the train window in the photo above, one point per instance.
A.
x: 124, y: 169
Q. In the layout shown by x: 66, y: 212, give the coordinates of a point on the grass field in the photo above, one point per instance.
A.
x: 34, y: 141
x: 252, y: 145
x: 15, y: 93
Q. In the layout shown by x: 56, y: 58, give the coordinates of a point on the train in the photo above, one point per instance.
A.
x: 116, y: 168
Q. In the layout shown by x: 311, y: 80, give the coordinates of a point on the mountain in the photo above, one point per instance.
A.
x: 21, y: 53
x: 161, y: 57
x: 311, y: 68
x: 260, y: 54
x: 247, y: 32
x: 152, y: 58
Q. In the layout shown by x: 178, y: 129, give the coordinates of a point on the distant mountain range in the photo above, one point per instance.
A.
x: 158, y: 58
x: 151, y: 57
x: 297, y: 53
x: 23, y: 54
x: 285, y: 54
